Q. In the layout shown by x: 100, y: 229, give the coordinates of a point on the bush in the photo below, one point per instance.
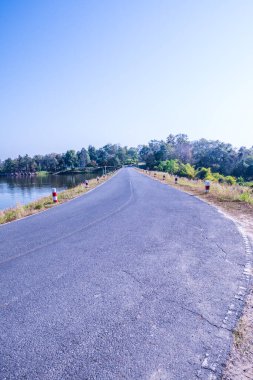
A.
x: 186, y: 170
x: 10, y: 215
x: 161, y: 166
x: 38, y: 206
x: 240, y: 181
x: 246, y: 197
x: 230, y: 180
x: 169, y: 166
x: 217, y: 177
x: 203, y: 173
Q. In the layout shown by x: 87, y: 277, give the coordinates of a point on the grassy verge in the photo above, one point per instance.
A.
x: 221, y: 192
x: 45, y: 203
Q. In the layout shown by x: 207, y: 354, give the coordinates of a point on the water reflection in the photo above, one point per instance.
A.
x: 22, y: 190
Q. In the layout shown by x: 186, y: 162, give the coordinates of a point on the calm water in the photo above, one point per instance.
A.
x: 14, y: 190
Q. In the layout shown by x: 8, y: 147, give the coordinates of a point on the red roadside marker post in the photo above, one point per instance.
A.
x: 54, y: 195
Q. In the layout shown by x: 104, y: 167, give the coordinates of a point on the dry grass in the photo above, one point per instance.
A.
x: 45, y: 203
x: 222, y: 192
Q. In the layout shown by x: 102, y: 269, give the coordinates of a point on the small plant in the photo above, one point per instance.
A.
x: 10, y: 215
x: 38, y: 206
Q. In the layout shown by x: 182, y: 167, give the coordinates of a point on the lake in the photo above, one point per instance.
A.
x: 22, y: 190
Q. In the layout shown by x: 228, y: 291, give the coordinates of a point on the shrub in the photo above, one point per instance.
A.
x: 172, y: 166
x: 161, y: 166
x: 217, y: 177
x: 10, y: 215
x: 240, y: 181
x: 38, y: 206
x: 186, y: 170
x: 203, y: 173
x: 246, y: 197
x: 230, y: 180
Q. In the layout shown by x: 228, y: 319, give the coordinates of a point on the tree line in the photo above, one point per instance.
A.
x: 109, y: 155
x: 198, y: 159
x: 176, y: 155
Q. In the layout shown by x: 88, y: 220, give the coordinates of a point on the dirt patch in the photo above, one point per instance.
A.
x: 240, y: 362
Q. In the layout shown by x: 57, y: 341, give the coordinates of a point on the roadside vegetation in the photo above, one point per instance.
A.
x: 178, y: 155
x: 21, y: 211
x: 226, y: 191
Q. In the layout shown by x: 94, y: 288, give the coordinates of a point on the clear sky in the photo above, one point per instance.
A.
x: 74, y: 73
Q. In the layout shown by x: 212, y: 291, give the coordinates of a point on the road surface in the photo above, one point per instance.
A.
x: 131, y: 281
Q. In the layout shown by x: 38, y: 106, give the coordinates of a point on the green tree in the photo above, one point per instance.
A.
x: 9, y: 166
x: 83, y: 158
x: 92, y: 153
x: 70, y: 159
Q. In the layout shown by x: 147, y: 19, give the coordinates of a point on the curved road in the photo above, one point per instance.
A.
x: 131, y: 281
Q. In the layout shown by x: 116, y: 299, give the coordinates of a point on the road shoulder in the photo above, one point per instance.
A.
x: 239, y: 364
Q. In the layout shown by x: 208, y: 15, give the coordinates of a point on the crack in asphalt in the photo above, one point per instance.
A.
x: 221, y: 249
x: 225, y: 253
x: 183, y: 307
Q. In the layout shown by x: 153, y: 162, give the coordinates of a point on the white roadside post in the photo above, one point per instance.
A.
x: 207, y: 186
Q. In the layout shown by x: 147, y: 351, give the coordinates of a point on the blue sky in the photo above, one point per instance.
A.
x: 75, y: 73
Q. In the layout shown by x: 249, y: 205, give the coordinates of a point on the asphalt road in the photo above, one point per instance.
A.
x: 131, y: 281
